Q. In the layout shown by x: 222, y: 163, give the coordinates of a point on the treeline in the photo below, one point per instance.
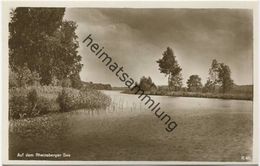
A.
x: 219, y: 82
x: 97, y: 86
x: 237, y: 89
x: 219, y: 75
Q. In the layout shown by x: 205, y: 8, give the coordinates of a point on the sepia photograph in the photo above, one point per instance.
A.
x: 130, y: 84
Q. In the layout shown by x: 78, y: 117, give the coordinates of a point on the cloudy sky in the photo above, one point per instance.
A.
x: 136, y: 38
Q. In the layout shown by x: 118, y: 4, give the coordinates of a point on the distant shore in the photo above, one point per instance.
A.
x: 230, y: 96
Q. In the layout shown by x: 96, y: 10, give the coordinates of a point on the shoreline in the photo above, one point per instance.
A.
x: 200, y: 95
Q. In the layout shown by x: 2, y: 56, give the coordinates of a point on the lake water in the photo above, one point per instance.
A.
x: 180, y: 104
x: 208, y: 130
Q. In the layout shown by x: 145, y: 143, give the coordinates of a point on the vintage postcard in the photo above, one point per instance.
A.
x: 120, y: 82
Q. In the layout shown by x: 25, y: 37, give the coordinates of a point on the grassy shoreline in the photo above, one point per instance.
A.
x: 34, y: 101
x: 227, y: 96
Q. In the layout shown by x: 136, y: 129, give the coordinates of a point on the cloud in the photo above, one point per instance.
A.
x: 136, y: 38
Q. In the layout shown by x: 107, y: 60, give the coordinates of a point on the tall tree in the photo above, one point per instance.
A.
x: 67, y: 63
x: 41, y: 39
x: 224, y: 75
x: 213, y: 76
x: 194, y: 83
x: 170, y: 67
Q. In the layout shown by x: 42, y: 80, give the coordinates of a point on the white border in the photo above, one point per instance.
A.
x: 130, y: 4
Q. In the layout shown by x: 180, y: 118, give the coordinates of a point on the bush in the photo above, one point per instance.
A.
x: 65, y: 101
x: 23, y: 76
x: 32, y: 101
x: 66, y: 82
x: 24, y: 103
x: 44, y: 106
x: 13, y: 82
x: 76, y: 81
x: 17, y: 107
x: 32, y: 97
x: 38, y: 100
x: 70, y: 99
x: 93, y: 99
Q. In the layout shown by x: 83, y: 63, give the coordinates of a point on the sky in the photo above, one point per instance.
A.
x: 136, y: 39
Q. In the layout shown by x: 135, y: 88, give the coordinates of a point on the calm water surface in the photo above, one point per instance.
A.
x: 179, y: 104
x: 208, y: 130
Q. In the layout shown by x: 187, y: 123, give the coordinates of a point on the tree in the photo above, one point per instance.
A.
x: 68, y: 65
x: 213, y: 71
x: 219, y: 75
x: 170, y: 67
x: 224, y: 75
x: 41, y: 39
x: 147, y: 84
x: 208, y: 87
x: 213, y: 76
x: 29, y: 28
x: 176, y: 82
x: 194, y: 83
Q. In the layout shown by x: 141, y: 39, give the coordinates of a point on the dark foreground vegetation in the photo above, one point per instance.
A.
x: 44, y: 65
x: 39, y: 100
